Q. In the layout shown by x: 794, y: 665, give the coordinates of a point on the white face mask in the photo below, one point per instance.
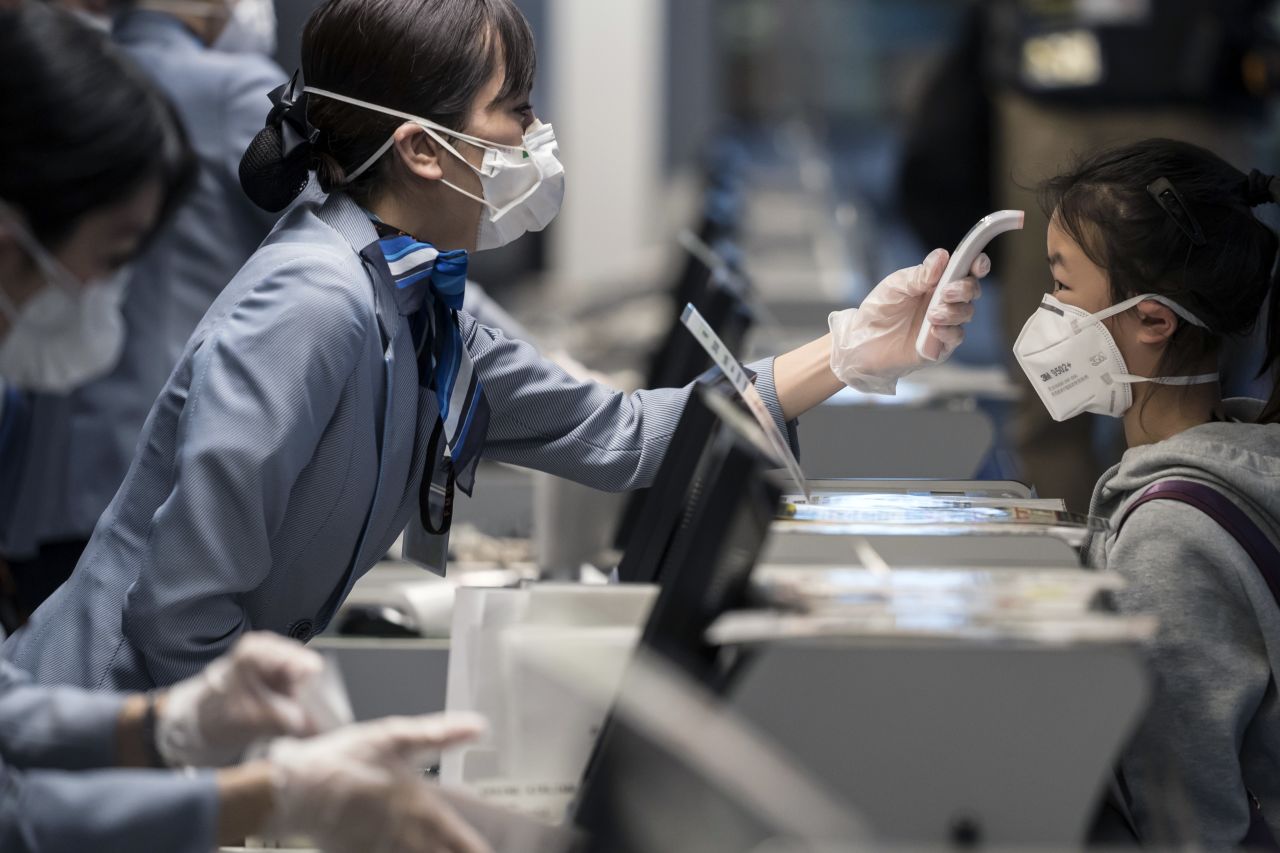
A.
x: 251, y: 29
x: 523, y: 185
x: 1075, y: 365
x: 67, y: 333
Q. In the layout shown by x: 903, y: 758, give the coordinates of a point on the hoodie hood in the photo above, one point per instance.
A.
x: 1238, y: 456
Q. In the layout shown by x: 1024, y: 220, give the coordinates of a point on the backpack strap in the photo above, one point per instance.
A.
x: 1231, y: 518
x: 1265, y: 556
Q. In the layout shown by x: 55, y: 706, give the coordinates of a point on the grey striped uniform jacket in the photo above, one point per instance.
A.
x: 284, y: 456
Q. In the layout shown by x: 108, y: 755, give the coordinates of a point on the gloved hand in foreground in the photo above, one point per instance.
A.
x: 359, y: 789
x: 249, y: 694
x: 873, y: 346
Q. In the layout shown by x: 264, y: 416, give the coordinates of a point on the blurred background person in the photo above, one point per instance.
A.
x: 210, y: 59
x: 96, y: 160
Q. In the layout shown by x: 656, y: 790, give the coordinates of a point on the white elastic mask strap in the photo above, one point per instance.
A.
x: 425, y: 122
x: 1202, y: 379
x: 1128, y: 378
x: 456, y: 153
x: 1121, y: 307
x: 469, y: 195
x: 44, y: 260
x: 368, y: 164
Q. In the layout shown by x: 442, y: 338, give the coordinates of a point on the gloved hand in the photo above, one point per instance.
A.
x: 874, y: 346
x: 249, y: 694
x: 360, y: 789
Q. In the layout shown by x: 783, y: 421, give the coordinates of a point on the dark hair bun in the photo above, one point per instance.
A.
x: 269, y: 178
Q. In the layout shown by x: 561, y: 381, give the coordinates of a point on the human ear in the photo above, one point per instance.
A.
x: 419, y: 151
x: 1156, y: 322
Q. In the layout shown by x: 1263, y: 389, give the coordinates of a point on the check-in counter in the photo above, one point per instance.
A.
x: 925, y: 545
x: 980, y: 740
x: 387, y: 677
x: 503, y: 502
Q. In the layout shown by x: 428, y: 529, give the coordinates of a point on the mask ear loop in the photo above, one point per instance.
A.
x: 1121, y: 307
x: 425, y: 124
x: 368, y: 164
x: 496, y: 213
x: 48, y: 265
x: 1184, y: 314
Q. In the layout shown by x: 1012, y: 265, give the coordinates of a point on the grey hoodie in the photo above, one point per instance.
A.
x: 1213, y: 729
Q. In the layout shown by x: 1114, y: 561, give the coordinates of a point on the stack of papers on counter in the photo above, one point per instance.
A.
x: 1059, y: 606
x: 932, y: 515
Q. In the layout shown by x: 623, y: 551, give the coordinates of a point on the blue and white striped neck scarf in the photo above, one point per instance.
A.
x: 434, y: 283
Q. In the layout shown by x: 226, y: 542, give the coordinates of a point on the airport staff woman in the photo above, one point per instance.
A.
x: 333, y: 384
x: 71, y: 776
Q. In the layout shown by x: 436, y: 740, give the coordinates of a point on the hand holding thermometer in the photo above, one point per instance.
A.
x: 987, y: 229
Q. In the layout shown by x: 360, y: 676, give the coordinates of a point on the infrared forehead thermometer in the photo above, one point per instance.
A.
x: 987, y: 229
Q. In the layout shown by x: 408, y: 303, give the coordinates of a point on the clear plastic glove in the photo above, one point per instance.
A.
x: 874, y: 346
x: 249, y: 694
x: 360, y: 789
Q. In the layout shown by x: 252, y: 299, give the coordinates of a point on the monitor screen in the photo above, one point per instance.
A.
x: 732, y: 504
x: 651, y: 516
x: 705, y: 572
x: 679, y: 773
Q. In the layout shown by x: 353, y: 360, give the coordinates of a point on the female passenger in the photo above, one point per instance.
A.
x: 1157, y: 260
x: 334, y: 393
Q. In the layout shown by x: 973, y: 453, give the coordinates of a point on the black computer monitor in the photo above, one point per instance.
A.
x: 732, y: 504
x: 681, y: 774
x: 681, y: 359
x: 692, y: 282
x: 705, y: 573
x: 651, y: 516
x: 695, y: 277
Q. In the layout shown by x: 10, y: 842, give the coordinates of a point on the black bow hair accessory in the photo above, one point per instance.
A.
x: 274, y: 169
x: 289, y: 113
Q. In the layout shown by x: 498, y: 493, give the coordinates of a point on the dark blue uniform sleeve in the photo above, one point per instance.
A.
x: 55, y: 727
x: 106, y: 811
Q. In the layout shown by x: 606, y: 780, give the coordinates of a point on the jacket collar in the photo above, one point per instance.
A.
x: 352, y: 221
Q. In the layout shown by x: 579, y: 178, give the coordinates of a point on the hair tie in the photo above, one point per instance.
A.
x: 1260, y: 189
x: 289, y: 115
